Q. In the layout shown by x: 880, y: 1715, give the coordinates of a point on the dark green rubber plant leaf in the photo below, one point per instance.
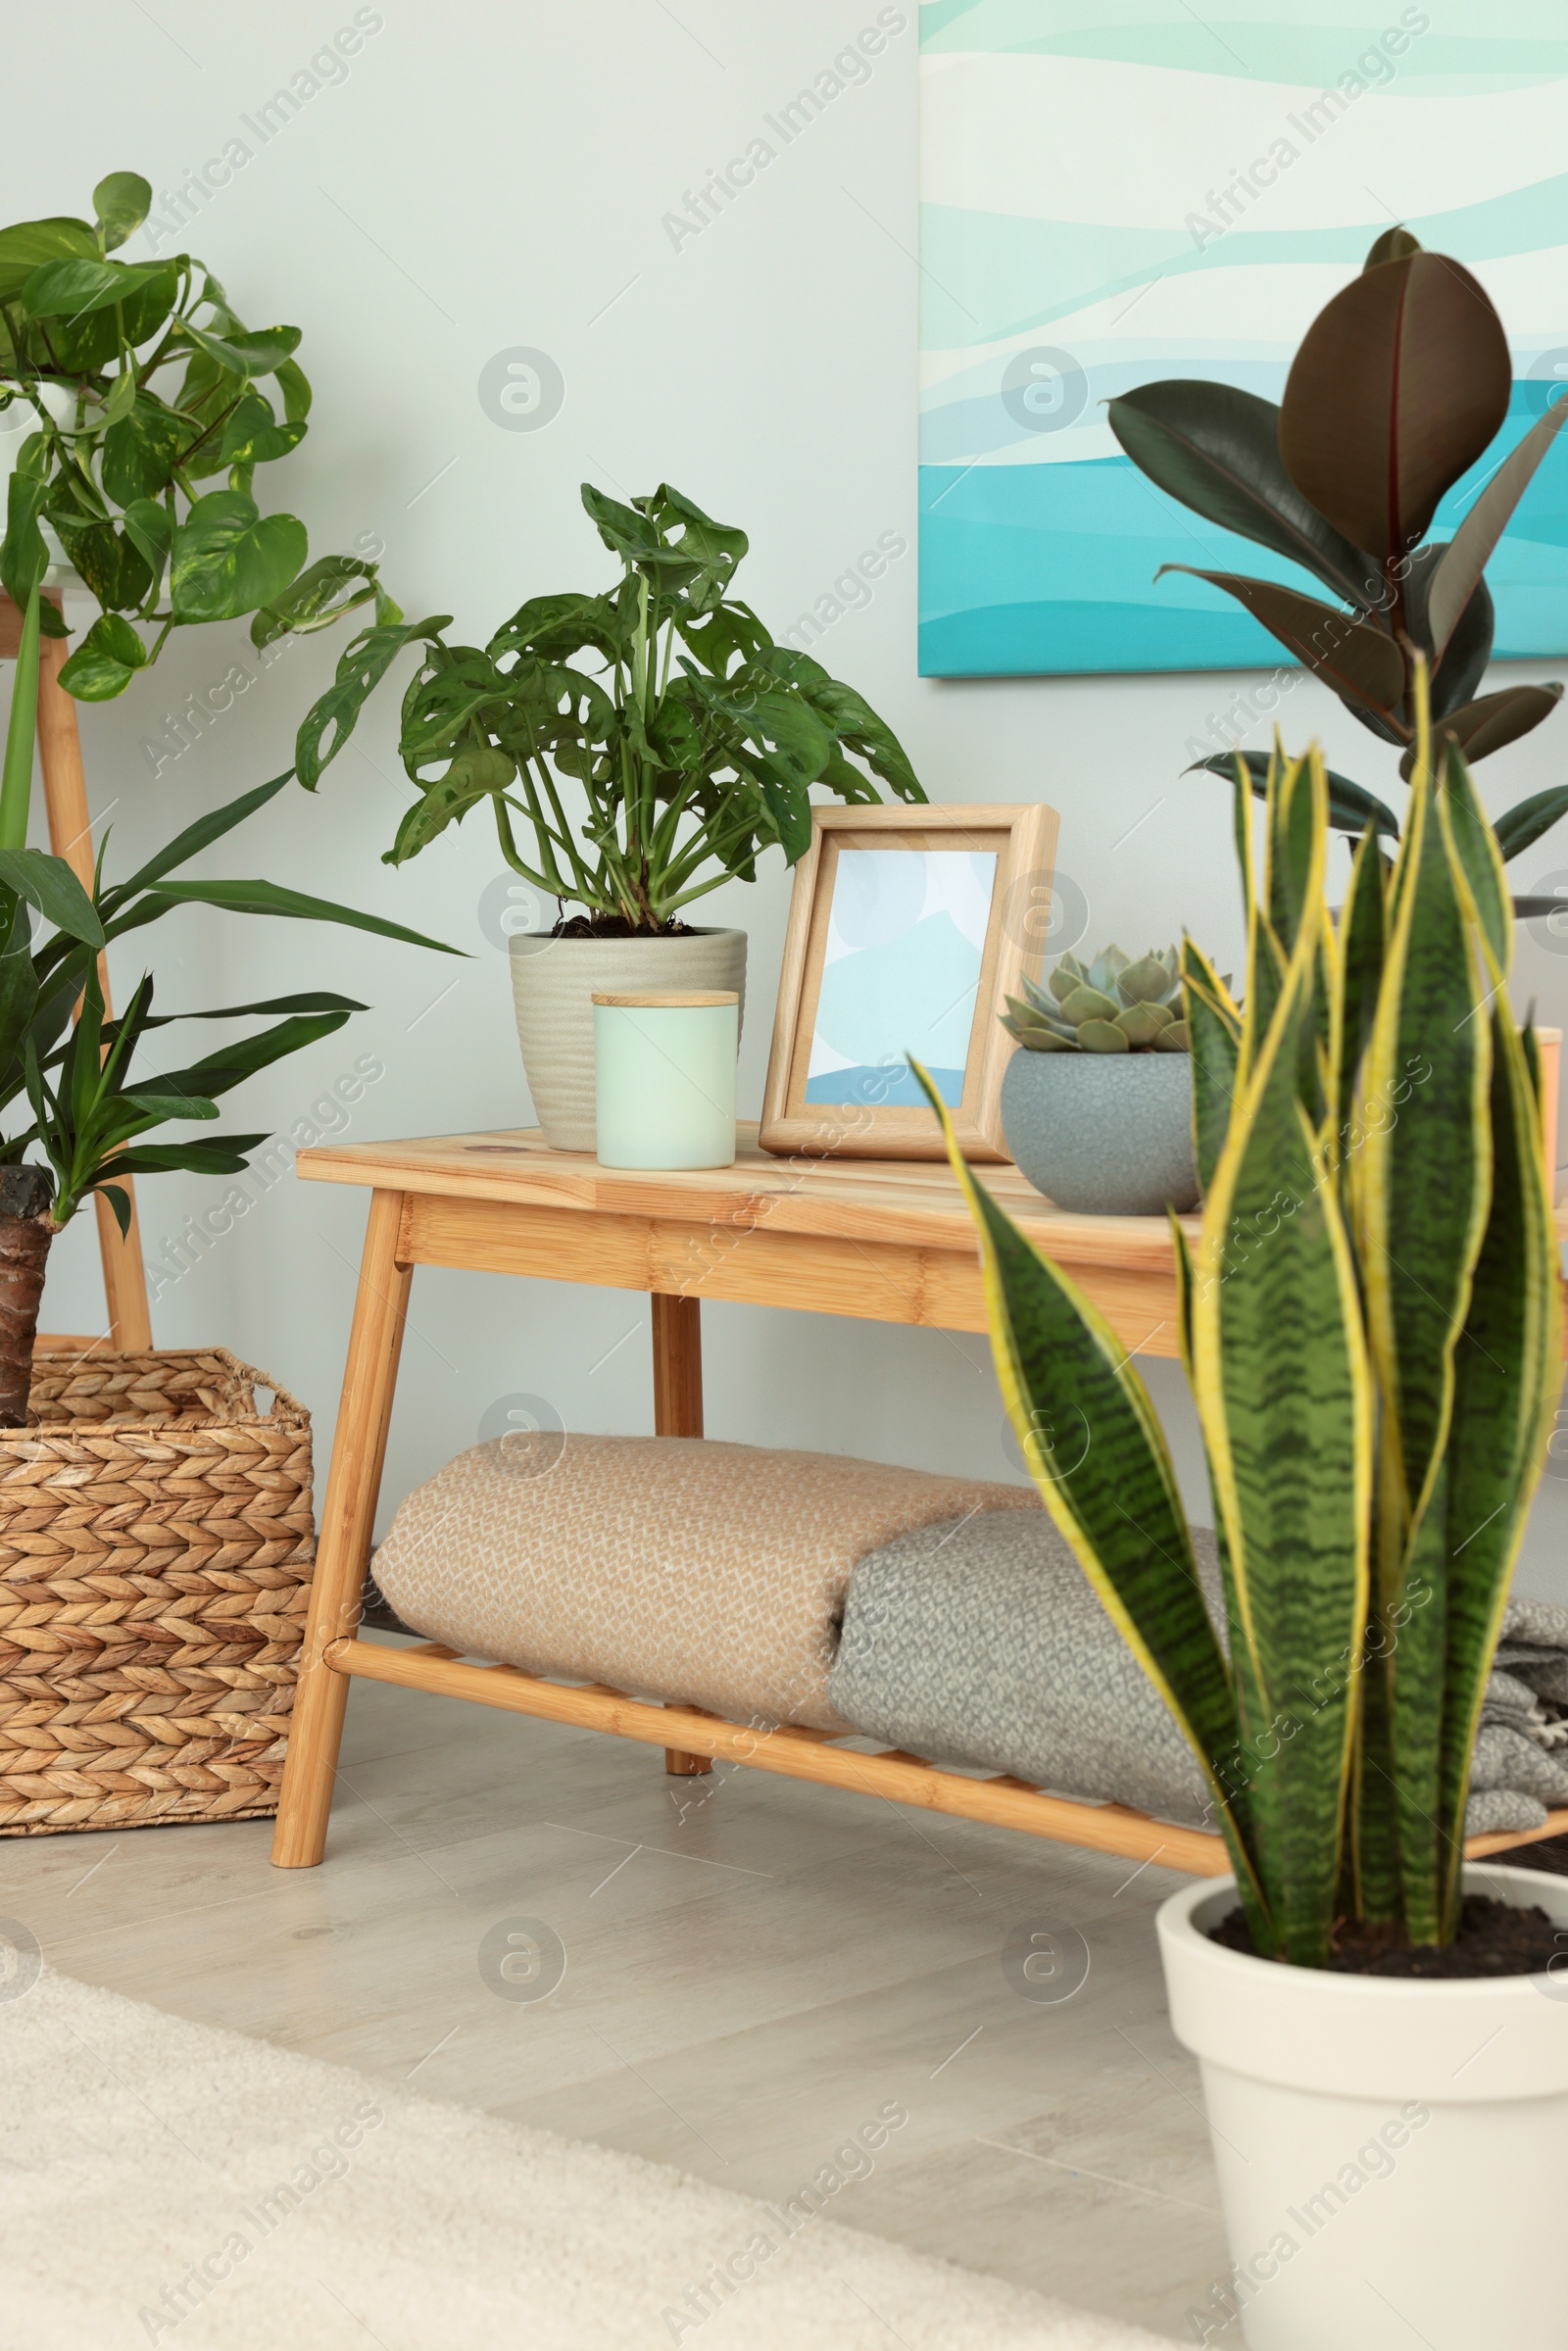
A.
x: 1351, y: 808
x: 1218, y: 449
x: 1521, y: 826
x: 1398, y: 387
x: 1359, y: 663
x: 1470, y: 549
x: 1482, y: 727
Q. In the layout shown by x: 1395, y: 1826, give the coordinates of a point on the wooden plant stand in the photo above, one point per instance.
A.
x: 891, y: 1242
x: 65, y: 791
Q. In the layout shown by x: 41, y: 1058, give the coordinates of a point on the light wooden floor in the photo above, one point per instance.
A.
x: 747, y: 1983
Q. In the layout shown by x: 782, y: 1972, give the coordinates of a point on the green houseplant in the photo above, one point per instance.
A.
x: 1098, y: 1106
x: 1371, y: 1326
x: 661, y: 704
x: 67, y: 1093
x: 1400, y: 387
x: 143, y: 386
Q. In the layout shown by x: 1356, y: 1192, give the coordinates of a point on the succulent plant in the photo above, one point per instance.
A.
x: 1111, y: 1005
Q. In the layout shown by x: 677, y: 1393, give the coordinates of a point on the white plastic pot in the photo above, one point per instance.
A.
x: 554, y: 982
x: 1392, y: 2153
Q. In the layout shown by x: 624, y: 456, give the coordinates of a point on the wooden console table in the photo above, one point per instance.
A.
x: 889, y: 1241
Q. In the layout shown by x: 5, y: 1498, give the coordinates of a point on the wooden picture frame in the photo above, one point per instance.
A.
x: 869, y: 1124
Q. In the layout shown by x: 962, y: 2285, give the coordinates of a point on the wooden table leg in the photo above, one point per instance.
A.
x: 678, y: 1412
x: 358, y: 1453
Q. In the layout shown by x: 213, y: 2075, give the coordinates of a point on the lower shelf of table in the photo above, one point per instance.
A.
x: 820, y: 1755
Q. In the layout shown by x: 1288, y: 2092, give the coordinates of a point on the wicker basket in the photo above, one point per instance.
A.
x: 156, y: 1548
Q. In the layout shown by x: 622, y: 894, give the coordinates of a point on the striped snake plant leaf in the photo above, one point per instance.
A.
x: 1285, y: 1398
x: 1098, y: 1455
x: 1421, y: 1170
x: 1361, y: 975
x: 1214, y: 1026
x: 1476, y: 845
x: 1507, y: 1378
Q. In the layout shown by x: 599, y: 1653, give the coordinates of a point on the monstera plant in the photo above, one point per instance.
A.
x: 143, y: 386
x: 1371, y: 1329
x: 693, y: 737
x: 1400, y: 386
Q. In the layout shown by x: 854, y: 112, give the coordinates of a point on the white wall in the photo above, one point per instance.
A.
x: 489, y: 176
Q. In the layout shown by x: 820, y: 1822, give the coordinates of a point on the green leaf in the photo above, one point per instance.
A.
x: 109, y: 562
x: 1521, y: 826
x: 21, y: 727
x: 25, y: 557
x: 122, y: 203
x: 1473, y: 844
x: 1482, y: 727
x: 1216, y: 448
x: 150, y: 531
x: 328, y: 724
x: 28, y: 244
x: 219, y: 1073
x: 1362, y: 952
x: 1280, y: 1379
x: 271, y: 898
x: 1398, y: 385
x: 141, y: 451
x: 1507, y: 1372
x: 295, y: 387
x: 49, y: 884
x: 194, y: 838
x: 225, y: 1155
x: 228, y: 557
x: 105, y: 662
x: 1094, y: 1450
x: 73, y: 289
x: 1214, y: 1041
x: 334, y: 584
x: 253, y: 435
x: 244, y: 354
x: 475, y: 774
x: 1362, y: 665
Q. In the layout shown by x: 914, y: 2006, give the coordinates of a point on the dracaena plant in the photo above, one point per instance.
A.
x: 69, y: 1093
x: 1400, y: 387
x: 143, y: 386
x: 692, y: 737
x: 1371, y: 1328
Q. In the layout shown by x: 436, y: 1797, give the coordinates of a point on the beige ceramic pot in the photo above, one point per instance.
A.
x: 553, y: 986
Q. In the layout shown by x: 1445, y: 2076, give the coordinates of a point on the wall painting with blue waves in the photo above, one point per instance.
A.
x: 1114, y: 191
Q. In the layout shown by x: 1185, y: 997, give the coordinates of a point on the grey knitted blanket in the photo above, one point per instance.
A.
x: 981, y: 1643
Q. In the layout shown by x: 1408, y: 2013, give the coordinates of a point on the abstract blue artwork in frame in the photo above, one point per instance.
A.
x: 1113, y: 193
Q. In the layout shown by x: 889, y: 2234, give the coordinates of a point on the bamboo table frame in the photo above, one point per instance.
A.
x: 890, y: 1242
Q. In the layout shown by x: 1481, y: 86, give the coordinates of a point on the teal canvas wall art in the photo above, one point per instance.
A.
x: 1113, y: 193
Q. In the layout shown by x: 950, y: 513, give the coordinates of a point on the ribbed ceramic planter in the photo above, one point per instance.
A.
x: 554, y: 982
x: 1390, y: 2152
x: 1104, y: 1134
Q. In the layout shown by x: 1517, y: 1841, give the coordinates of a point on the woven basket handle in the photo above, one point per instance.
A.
x: 280, y: 1395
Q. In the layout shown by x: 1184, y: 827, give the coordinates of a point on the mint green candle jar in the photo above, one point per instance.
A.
x: 665, y: 1078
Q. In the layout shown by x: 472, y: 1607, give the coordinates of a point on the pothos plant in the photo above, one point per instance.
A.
x: 145, y: 385
x: 69, y: 1093
x: 1399, y: 387
x: 692, y: 736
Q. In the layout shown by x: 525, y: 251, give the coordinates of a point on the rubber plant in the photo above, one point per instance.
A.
x: 145, y: 385
x: 1399, y: 387
x: 1371, y: 1328
x: 693, y: 737
x: 67, y: 1091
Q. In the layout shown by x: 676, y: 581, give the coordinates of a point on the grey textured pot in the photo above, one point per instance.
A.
x: 553, y: 985
x: 1104, y: 1134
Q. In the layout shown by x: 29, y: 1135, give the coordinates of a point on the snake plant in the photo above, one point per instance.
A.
x: 1370, y: 1323
x: 1111, y: 1005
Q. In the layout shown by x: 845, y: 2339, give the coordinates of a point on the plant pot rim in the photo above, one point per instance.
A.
x: 530, y: 942
x: 1178, y: 1922
x: 1453, y: 2041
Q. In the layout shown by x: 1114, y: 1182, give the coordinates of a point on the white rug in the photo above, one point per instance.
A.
x: 162, y: 2182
